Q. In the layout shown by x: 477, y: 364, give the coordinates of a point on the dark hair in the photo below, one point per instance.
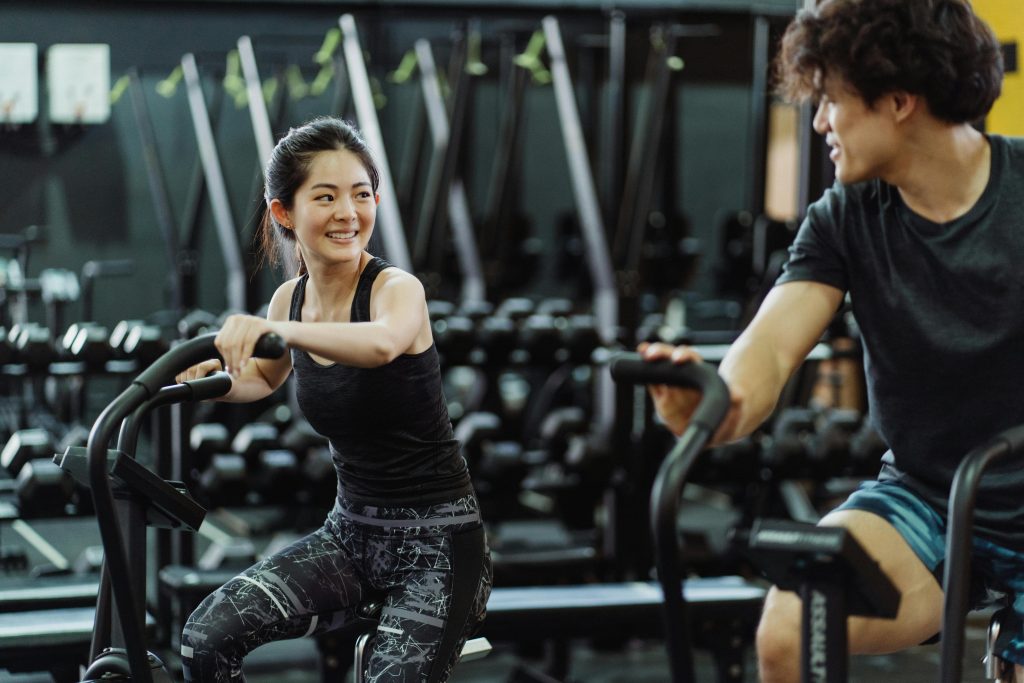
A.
x: 938, y: 49
x: 288, y: 168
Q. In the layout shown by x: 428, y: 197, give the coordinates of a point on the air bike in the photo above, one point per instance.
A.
x: 826, y: 566
x: 128, y: 498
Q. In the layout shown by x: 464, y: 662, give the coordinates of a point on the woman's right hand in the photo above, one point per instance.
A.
x: 199, y: 371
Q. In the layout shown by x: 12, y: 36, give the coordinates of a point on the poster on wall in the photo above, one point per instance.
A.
x: 78, y: 83
x: 19, y: 83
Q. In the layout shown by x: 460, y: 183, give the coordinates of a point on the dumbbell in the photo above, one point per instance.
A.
x: 197, y: 322
x: 274, y: 472
x: 316, y: 464
x: 87, y: 342
x: 515, y: 308
x: 7, y: 354
x: 221, y: 475
x: 473, y: 431
x: 792, y: 435
x: 23, y: 446
x: 540, y: 336
x: 32, y: 345
x: 580, y: 338
x: 498, y: 337
x: 455, y: 338
x: 866, y: 450
x: 119, y: 334
x: 732, y: 462
x: 320, y: 477
x: 43, y: 488
x: 830, y: 448
x: 558, y: 426
x: 144, y: 344
x: 464, y: 389
x: 438, y: 309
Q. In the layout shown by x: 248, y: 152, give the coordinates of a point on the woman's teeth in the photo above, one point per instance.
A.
x: 342, y: 235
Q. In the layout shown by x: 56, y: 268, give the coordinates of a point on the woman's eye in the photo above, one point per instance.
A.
x: 325, y: 198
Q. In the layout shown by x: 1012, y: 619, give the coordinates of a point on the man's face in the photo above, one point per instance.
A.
x: 860, y: 137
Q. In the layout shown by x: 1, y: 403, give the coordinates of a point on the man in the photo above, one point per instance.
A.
x: 925, y: 231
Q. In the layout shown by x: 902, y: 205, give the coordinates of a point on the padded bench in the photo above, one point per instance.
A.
x: 26, y: 593
x: 54, y: 640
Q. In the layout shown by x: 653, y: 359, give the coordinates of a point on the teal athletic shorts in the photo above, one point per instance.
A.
x: 997, y: 573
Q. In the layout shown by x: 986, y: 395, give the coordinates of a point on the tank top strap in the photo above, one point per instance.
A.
x: 298, y: 296
x: 361, y: 304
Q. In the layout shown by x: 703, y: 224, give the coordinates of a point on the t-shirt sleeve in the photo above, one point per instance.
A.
x: 817, y: 254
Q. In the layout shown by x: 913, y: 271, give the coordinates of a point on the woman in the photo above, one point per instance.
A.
x: 406, y: 523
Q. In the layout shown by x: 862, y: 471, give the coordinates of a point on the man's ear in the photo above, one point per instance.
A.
x: 280, y: 213
x: 903, y: 104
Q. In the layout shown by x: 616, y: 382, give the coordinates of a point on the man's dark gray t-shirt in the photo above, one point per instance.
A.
x: 941, y: 313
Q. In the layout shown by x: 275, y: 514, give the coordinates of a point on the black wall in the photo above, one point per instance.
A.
x: 87, y: 185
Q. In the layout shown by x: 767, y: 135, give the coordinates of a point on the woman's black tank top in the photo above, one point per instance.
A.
x: 388, y: 427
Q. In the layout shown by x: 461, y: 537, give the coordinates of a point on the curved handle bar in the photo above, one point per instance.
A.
x: 957, y: 570
x: 631, y: 368
x: 187, y: 354
x: 147, y: 385
x: 669, y: 483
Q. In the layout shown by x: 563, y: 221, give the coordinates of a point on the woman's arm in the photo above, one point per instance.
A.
x: 397, y: 314
x: 397, y: 311
x: 261, y: 377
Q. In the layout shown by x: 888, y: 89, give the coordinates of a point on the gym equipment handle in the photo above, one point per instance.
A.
x: 669, y: 483
x: 146, y: 386
x: 211, y: 386
x: 956, y: 578
x: 187, y: 354
x: 631, y: 368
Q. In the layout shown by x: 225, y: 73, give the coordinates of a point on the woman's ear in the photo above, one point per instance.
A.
x: 280, y: 214
x: 376, y: 198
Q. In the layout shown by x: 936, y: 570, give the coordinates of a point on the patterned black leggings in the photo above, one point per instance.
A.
x: 431, y: 564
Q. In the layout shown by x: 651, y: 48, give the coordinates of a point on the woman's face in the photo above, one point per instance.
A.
x: 333, y: 212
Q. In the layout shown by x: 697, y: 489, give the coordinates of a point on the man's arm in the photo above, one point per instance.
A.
x: 789, y: 323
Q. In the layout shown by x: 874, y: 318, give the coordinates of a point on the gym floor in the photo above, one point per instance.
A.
x: 642, y: 662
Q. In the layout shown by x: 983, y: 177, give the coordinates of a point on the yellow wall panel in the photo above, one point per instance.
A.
x: 1006, y: 17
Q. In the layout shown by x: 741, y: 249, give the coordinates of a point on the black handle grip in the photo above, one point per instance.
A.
x: 632, y: 368
x: 187, y: 354
x: 269, y: 346
x: 211, y: 386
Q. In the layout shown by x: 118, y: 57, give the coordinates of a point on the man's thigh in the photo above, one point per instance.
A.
x: 920, y: 612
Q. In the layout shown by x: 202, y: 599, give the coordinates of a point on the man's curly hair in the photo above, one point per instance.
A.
x: 938, y: 49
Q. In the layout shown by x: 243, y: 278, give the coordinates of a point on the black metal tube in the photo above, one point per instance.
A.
x: 110, y: 532
x: 664, y: 506
x: 194, y: 390
x: 669, y: 483
x: 101, y: 623
x: 957, y: 569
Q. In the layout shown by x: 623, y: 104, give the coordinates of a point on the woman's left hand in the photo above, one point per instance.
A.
x: 237, y: 339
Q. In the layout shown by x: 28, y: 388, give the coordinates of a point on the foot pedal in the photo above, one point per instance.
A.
x: 996, y: 669
x: 476, y: 648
